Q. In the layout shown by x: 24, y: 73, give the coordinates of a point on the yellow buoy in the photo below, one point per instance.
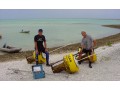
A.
x: 41, y: 59
x: 93, y: 58
x: 70, y: 64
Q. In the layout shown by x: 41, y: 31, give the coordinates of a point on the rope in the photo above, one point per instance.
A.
x: 60, y: 47
x: 15, y: 70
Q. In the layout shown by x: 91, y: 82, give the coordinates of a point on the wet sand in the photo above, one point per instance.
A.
x: 70, y: 48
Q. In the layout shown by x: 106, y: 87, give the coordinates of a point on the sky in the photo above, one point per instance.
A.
x: 59, y: 13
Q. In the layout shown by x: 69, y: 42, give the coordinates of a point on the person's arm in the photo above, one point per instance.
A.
x: 36, y: 47
x: 94, y: 43
x: 82, y: 45
x: 45, y: 44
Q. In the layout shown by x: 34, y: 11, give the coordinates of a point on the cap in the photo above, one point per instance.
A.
x: 40, y: 30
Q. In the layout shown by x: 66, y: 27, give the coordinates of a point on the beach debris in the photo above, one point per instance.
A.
x: 109, y: 44
x: 18, y: 71
x: 103, y: 48
x: 30, y: 59
x: 67, y: 76
x: 104, y: 58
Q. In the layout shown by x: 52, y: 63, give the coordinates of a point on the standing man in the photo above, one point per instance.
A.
x: 87, y: 45
x: 40, y: 45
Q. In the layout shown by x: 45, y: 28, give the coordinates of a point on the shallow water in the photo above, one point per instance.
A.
x: 57, y: 31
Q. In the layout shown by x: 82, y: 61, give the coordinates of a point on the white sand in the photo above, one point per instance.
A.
x: 106, y: 68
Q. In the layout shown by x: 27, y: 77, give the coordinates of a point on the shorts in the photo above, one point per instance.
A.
x: 41, y: 50
x: 87, y: 52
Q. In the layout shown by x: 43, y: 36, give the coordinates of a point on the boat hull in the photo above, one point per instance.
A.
x: 11, y: 50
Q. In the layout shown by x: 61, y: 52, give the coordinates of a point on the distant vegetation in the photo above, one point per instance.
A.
x: 112, y: 26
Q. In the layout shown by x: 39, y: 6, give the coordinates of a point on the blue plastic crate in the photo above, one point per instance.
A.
x: 38, y: 71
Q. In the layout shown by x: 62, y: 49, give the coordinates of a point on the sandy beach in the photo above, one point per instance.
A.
x: 105, y: 69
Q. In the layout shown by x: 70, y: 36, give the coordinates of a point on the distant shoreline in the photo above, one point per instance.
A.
x: 70, y: 48
x: 112, y: 26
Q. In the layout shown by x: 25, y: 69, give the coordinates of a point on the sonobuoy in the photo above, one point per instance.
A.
x: 68, y: 64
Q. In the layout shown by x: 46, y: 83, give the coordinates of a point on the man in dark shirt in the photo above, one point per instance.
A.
x: 39, y: 47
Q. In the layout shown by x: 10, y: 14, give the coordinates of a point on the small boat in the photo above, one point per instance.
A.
x: 10, y: 49
x: 25, y: 31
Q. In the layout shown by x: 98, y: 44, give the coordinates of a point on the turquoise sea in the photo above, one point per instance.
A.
x: 58, y: 32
